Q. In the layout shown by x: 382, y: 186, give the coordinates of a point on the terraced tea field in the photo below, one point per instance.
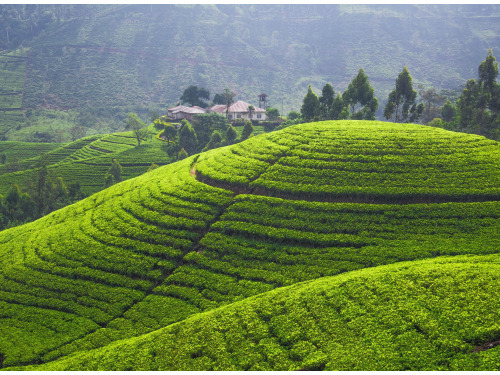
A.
x: 235, y: 259
x: 85, y: 161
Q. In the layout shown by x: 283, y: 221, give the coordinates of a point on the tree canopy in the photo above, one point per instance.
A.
x: 361, y: 92
x: 135, y: 124
x: 478, y: 106
x: 195, y: 96
x: 272, y: 113
x: 310, y: 106
x: 401, y: 106
x: 326, y: 102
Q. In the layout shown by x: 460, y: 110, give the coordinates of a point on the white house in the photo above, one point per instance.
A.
x: 182, y: 112
x: 239, y: 110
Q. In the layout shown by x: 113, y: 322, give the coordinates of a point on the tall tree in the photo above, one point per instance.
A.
x: 310, y: 105
x: 401, y: 106
x: 187, y: 139
x: 231, y: 135
x: 467, y: 106
x: 361, y: 92
x: 432, y: 100
x: 135, y: 124
x: 339, y: 110
x: 448, y: 111
x: 488, y: 72
x: 478, y: 106
x: 169, y: 132
x: 194, y: 96
x: 247, y: 130
x: 228, y: 99
x: 326, y: 102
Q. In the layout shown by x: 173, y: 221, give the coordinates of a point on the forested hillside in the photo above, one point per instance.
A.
x: 104, y: 61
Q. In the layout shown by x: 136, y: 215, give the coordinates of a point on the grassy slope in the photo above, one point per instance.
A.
x: 426, y: 315
x: 162, y: 247
x: 356, y: 160
x: 87, y: 160
x: 18, y: 151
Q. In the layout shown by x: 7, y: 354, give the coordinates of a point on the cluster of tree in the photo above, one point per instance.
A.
x: 357, y: 102
x: 476, y: 110
x: 44, y: 194
x: 200, y: 97
x: 114, y: 174
x: 207, y: 131
x: 402, y: 106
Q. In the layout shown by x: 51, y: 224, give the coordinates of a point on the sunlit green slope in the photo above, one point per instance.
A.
x: 19, y: 151
x: 360, y: 161
x: 170, y: 244
x: 435, y: 314
x: 86, y: 161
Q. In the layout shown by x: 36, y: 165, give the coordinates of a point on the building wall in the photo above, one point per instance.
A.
x: 246, y: 116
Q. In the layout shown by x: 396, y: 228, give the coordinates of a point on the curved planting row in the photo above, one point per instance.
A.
x: 92, y: 261
x: 365, y: 162
x: 260, y: 243
x: 164, y: 246
x: 87, y: 161
x: 426, y: 315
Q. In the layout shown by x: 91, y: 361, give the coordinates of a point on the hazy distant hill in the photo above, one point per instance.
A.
x: 133, y: 57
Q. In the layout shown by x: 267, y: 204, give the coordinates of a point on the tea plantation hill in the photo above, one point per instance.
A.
x: 85, y: 161
x: 306, y: 248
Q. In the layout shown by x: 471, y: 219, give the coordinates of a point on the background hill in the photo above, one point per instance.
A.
x: 85, y: 161
x: 161, y: 258
x: 104, y: 61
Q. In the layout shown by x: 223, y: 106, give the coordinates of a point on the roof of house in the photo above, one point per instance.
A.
x: 190, y: 110
x: 241, y: 106
x: 220, y: 108
x: 177, y: 108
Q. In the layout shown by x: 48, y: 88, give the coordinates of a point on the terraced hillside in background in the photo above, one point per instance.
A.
x: 85, y: 161
x: 337, y: 245
x: 12, y: 76
x: 99, y: 62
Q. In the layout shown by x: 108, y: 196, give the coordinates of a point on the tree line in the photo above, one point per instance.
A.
x: 205, y: 132
x: 475, y: 111
x: 44, y: 194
